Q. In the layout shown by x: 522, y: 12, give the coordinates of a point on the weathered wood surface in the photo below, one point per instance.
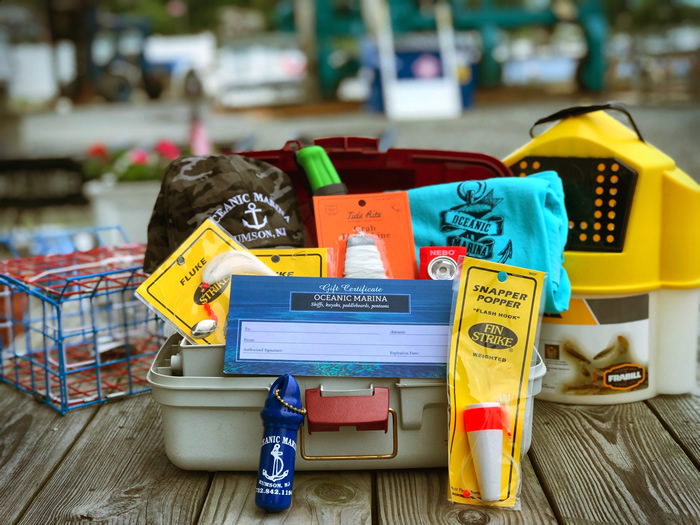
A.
x: 117, y: 472
x: 680, y: 415
x: 33, y: 441
x: 107, y: 464
x: 612, y: 464
x: 319, y: 497
x: 420, y: 497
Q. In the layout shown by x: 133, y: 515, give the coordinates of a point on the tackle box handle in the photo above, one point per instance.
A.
x: 577, y: 111
x: 329, y: 413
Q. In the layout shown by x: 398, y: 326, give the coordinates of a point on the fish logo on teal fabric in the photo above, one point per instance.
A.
x: 472, y: 223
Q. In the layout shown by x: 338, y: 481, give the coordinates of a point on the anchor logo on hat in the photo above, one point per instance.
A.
x: 253, y: 211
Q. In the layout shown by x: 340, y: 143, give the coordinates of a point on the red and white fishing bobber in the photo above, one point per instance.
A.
x: 484, y: 424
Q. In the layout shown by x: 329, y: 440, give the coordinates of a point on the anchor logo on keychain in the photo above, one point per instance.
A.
x: 252, y: 210
x: 281, y: 416
x: 277, y: 465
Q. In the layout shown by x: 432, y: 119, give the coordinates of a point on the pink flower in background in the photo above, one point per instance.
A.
x: 168, y: 149
x: 143, y: 163
x: 138, y: 156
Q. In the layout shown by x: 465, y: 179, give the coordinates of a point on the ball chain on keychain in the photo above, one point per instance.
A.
x: 301, y: 411
x: 362, y: 258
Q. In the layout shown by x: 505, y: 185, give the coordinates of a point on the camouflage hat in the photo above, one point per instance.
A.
x: 251, y: 199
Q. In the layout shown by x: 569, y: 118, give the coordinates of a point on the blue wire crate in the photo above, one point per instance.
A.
x: 72, y: 332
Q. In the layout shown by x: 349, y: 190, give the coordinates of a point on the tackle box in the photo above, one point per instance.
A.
x: 212, y: 421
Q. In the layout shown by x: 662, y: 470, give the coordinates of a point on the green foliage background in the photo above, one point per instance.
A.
x: 201, y: 14
x: 629, y: 15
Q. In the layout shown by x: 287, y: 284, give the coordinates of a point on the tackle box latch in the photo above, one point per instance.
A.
x: 329, y: 413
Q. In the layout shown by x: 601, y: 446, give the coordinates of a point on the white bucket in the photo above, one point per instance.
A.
x: 621, y: 348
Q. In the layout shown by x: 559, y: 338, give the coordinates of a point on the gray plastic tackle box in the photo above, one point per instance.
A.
x: 212, y: 421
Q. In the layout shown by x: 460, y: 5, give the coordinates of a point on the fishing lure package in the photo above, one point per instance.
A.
x: 497, y: 309
x: 191, y: 289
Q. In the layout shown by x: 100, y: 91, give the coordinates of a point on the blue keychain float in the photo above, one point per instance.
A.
x: 282, y: 415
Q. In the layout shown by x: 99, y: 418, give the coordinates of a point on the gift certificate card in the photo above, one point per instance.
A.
x: 338, y: 327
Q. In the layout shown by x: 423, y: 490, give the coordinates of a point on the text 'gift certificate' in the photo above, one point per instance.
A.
x: 338, y: 327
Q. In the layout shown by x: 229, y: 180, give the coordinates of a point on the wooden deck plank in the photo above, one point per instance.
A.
x: 420, y: 496
x: 318, y: 498
x: 33, y: 440
x: 118, y: 472
x: 681, y: 417
x: 612, y: 464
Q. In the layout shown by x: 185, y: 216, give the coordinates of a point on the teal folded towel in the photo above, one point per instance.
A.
x: 512, y: 220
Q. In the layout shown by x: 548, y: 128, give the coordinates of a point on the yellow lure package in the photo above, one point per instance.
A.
x: 296, y: 262
x: 176, y: 290
x: 491, y: 351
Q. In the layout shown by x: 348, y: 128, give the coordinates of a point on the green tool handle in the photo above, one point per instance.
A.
x: 320, y: 172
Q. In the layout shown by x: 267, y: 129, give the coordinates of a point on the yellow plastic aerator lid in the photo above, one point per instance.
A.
x: 634, y: 217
